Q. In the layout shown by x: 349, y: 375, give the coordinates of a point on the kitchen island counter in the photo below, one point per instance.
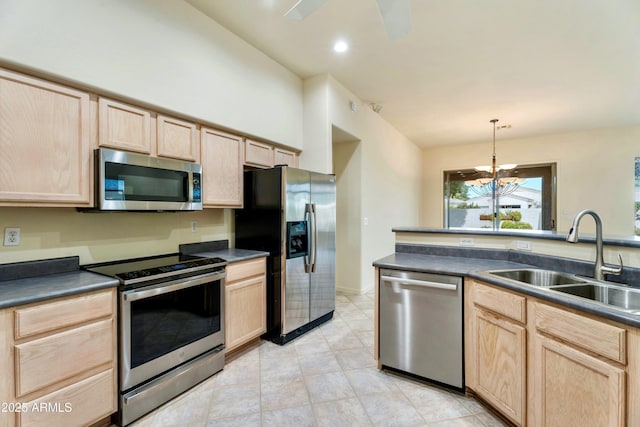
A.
x: 466, y: 265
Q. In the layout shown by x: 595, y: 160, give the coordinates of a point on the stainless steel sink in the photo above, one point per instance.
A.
x: 617, y: 296
x: 538, y: 277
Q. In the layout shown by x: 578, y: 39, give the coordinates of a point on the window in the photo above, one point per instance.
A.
x: 523, y: 198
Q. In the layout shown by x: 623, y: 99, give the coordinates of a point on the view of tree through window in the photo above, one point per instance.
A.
x: 525, y: 203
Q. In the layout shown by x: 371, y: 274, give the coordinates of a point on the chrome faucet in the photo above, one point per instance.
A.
x: 599, y: 269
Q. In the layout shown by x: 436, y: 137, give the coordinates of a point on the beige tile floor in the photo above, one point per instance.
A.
x: 327, y: 377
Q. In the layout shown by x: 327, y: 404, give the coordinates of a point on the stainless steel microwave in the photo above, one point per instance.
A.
x: 135, y: 182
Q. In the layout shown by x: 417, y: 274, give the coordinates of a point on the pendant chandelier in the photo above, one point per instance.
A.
x: 495, y: 180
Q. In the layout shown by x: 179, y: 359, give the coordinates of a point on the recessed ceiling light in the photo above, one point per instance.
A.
x: 340, y: 46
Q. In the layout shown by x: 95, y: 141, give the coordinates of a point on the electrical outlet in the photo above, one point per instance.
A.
x: 523, y: 245
x: 466, y: 241
x: 194, y: 226
x: 11, y: 236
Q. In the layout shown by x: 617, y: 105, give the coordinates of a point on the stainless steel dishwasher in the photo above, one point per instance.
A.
x: 421, y: 325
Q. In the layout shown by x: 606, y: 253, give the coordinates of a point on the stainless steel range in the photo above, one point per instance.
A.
x: 171, y: 327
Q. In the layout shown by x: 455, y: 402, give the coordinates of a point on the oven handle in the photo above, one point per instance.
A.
x: 175, y: 285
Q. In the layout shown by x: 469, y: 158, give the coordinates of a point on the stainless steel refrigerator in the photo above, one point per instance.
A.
x: 291, y: 213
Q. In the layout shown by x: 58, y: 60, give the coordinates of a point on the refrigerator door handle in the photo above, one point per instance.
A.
x: 308, y: 259
x: 314, y: 238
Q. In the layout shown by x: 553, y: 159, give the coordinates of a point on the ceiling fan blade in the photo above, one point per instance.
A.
x: 396, y: 16
x: 303, y: 8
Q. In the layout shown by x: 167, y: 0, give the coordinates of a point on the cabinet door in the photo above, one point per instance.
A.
x: 45, y: 143
x: 258, y: 154
x: 124, y: 127
x: 245, y: 315
x: 285, y: 157
x: 177, y: 139
x: 574, y: 388
x: 499, y: 364
x: 221, y: 156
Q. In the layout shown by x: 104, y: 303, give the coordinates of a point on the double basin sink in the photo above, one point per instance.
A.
x: 620, y: 297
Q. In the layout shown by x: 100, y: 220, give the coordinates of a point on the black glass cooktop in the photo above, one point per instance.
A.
x: 153, y: 266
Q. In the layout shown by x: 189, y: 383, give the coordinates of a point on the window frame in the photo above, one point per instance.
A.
x: 548, y: 172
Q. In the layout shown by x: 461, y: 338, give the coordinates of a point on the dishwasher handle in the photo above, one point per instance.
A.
x: 421, y: 283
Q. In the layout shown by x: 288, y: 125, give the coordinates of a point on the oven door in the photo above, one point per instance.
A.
x: 167, y: 324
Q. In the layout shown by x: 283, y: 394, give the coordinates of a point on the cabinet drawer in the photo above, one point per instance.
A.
x: 79, y: 404
x: 601, y: 338
x: 501, y: 302
x: 58, y: 314
x: 47, y: 360
x: 240, y: 270
x: 256, y: 153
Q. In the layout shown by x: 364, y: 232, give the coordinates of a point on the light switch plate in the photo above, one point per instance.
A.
x: 523, y: 245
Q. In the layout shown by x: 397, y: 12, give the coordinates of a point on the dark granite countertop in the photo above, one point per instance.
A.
x: 476, y: 268
x: 221, y: 249
x: 625, y: 241
x: 34, y: 281
x: 452, y: 265
x: 233, y: 254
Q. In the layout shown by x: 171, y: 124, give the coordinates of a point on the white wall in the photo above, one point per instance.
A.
x: 595, y: 171
x: 390, y: 173
x: 317, y: 126
x: 161, y: 52
x: 347, y: 164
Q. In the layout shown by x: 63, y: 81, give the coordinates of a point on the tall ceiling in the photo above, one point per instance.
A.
x: 541, y: 66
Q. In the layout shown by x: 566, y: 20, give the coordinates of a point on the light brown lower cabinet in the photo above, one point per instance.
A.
x: 540, y: 364
x: 245, y: 302
x: 59, y: 361
x: 500, y: 364
x: 496, y: 349
x: 578, y: 369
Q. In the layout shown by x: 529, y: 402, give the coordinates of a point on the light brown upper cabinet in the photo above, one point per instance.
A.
x: 285, y: 157
x: 45, y: 143
x: 178, y: 139
x: 221, y: 157
x: 263, y: 155
x: 130, y: 128
x: 258, y: 154
x: 124, y: 127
